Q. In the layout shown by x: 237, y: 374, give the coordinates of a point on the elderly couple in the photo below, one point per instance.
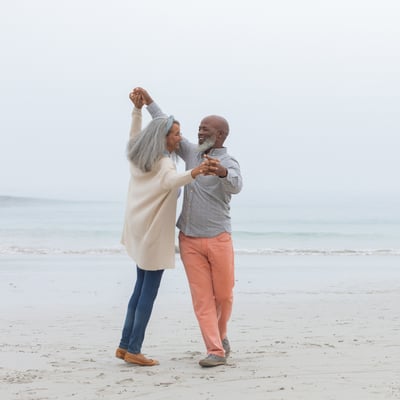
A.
x: 211, y: 177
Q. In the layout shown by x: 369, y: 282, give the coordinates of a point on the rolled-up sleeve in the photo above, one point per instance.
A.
x: 233, y: 181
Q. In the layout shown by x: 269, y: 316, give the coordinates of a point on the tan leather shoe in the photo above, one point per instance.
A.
x: 120, y: 353
x: 140, y: 359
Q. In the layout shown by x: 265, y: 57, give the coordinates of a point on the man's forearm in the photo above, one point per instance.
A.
x: 155, y: 111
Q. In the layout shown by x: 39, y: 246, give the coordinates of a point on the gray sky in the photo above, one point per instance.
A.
x: 311, y: 90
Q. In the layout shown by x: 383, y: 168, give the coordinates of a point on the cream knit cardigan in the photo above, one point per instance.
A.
x: 149, y: 227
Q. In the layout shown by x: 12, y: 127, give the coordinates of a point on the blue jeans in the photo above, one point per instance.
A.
x: 139, y: 311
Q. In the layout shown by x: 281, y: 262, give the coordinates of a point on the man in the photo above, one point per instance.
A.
x: 205, y: 231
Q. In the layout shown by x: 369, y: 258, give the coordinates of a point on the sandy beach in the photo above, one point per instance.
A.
x: 302, y: 328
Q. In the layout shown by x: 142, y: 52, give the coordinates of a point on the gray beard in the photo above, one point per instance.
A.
x: 207, y: 144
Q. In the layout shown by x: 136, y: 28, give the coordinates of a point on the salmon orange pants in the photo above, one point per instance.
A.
x: 209, y: 266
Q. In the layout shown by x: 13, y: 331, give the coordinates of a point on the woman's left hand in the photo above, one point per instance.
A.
x: 136, y: 99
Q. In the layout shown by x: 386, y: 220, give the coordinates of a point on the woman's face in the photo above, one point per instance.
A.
x: 173, y: 138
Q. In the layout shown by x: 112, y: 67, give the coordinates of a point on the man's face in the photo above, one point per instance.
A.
x: 207, y: 135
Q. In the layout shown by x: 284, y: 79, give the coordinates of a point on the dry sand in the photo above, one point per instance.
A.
x: 302, y: 328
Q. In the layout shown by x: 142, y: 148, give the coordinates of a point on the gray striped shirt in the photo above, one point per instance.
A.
x: 206, y: 202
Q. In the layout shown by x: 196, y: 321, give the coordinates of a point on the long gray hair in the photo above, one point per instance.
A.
x: 148, y: 147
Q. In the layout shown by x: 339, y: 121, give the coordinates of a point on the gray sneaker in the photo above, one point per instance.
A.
x: 212, y: 360
x: 226, y: 346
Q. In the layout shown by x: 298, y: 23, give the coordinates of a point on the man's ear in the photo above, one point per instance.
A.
x: 222, y: 134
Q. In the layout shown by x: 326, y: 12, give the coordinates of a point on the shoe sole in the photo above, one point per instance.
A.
x: 209, y: 364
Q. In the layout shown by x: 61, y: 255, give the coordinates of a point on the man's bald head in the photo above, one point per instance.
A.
x: 213, y: 131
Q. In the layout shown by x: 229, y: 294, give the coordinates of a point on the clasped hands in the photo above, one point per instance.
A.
x: 140, y: 97
x: 212, y: 166
x: 137, y: 99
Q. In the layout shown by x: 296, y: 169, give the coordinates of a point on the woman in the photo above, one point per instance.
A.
x: 149, y: 228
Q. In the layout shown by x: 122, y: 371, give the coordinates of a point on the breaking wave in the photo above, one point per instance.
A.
x: 16, y: 250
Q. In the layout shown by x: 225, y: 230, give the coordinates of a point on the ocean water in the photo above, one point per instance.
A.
x: 42, y: 226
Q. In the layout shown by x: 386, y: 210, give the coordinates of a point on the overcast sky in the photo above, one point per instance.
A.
x: 311, y: 90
